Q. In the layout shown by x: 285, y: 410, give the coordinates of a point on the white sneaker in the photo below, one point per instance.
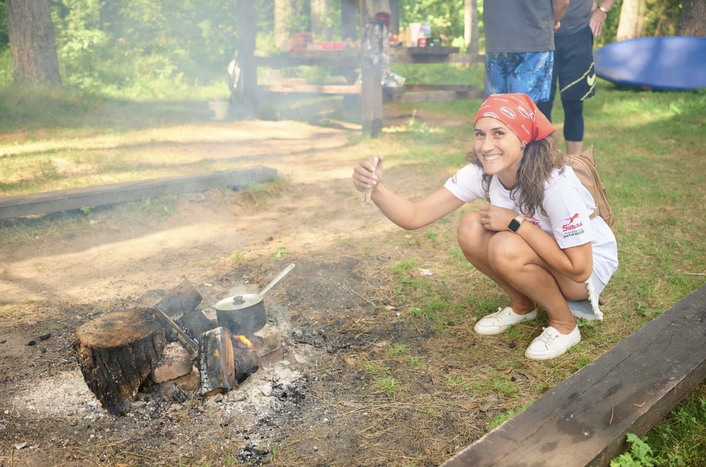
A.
x: 551, y: 343
x: 497, y: 322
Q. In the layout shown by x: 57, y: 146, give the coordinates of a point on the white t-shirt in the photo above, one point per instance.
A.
x: 568, y: 205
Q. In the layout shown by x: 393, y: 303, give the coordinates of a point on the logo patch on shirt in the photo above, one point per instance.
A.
x: 453, y: 179
x: 573, y: 227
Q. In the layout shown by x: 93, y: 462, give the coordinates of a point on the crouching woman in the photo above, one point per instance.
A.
x: 538, y: 239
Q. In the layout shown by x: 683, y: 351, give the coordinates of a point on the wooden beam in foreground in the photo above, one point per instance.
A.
x: 584, y: 420
x: 57, y: 201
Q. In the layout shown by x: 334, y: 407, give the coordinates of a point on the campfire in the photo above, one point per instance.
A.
x: 170, y: 343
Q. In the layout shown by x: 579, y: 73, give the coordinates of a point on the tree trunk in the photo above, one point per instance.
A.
x: 284, y: 12
x: 246, y: 103
x: 116, y: 352
x: 631, y: 24
x: 32, y: 42
x: 319, y: 28
x: 692, y: 19
x: 470, y: 26
x: 348, y: 19
x: 395, y: 20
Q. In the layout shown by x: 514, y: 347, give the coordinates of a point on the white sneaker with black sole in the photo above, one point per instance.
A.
x: 551, y: 343
x: 497, y: 322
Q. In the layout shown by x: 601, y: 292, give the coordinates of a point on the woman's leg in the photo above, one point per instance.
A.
x: 520, y: 266
x: 474, y: 240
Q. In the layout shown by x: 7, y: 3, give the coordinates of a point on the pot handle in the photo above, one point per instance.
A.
x: 277, y: 279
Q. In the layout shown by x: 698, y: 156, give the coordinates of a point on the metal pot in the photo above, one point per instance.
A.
x: 245, y: 314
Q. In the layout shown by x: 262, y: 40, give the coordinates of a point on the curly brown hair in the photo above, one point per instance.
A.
x: 541, y: 158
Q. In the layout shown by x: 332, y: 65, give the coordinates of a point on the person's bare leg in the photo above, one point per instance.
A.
x: 473, y: 239
x: 574, y: 147
x: 518, y: 264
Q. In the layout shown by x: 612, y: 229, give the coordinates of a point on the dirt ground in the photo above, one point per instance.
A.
x: 338, y: 310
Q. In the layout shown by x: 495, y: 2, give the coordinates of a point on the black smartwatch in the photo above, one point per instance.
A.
x: 515, y: 223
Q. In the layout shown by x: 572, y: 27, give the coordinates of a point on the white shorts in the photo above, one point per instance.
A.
x: 588, y: 308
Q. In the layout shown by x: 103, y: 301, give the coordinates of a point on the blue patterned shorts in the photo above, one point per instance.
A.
x: 528, y: 73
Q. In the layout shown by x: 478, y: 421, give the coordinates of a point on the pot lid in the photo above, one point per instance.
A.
x: 239, y: 302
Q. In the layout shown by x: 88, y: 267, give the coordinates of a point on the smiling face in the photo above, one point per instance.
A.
x: 498, y: 149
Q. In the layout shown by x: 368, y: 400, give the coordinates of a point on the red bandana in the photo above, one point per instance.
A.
x: 519, y: 113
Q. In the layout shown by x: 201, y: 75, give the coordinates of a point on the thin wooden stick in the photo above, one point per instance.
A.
x: 611, y: 416
x: 368, y: 193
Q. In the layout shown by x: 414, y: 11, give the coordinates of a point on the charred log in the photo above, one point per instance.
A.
x: 181, y: 299
x: 216, y: 362
x: 116, y: 352
x: 195, y: 324
x: 245, y: 358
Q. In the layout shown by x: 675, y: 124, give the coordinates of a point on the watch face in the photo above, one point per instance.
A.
x: 514, y: 225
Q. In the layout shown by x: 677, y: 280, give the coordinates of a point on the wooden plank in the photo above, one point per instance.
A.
x: 435, y: 96
x: 371, y: 102
x: 316, y: 89
x: 441, y: 87
x: 57, y: 201
x: 584, y: 420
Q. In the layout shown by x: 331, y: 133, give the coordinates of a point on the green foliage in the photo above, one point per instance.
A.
x: 404, y: 266
x: 281, y: 251
x: 4, y: 38
x: 397, y: 349
x: 236, y: 257
x: 497, y: 421
x: 129, y: 43
x: 640, y: 454
x: 389, y: 385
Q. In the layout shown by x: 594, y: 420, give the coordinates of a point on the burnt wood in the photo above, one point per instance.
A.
x: 245, y: 358
x: 180, y: 300
x: 174, y: 332
x: 91, y: 197
x: 116, y: 352
x: 584, y: 420
x: 216, y: 362
x: 195, y: 323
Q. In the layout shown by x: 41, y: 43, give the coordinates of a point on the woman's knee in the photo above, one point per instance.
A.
x: 471, y: 233
x: 505, y: 252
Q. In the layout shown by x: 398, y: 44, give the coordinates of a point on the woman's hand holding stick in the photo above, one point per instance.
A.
x: 367, y: 176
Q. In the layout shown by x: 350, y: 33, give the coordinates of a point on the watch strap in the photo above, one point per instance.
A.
x: 603, y: 9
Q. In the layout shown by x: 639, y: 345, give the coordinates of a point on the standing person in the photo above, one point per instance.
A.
x: 573, y: 66
x: 519, y: 44
x: 539, y: 239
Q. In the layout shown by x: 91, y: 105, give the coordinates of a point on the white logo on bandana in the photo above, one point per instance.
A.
x: 525, y: 128
x: 491, y: 115
x: 509, y: 113
x: 523, y: 111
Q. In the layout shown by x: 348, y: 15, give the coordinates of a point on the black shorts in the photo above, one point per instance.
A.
x: 573, y: 65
